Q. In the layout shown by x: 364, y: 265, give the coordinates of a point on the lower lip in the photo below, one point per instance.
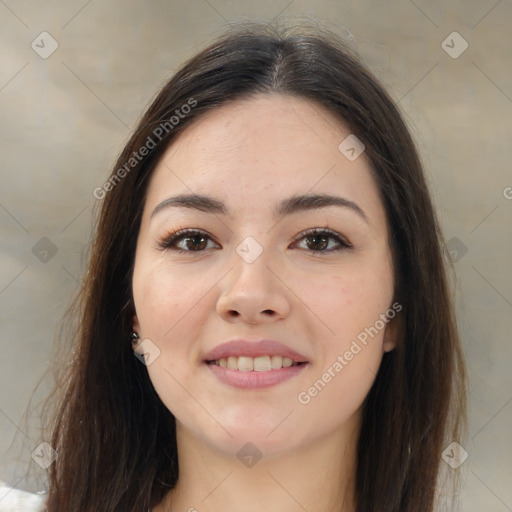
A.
x: 252, y: 379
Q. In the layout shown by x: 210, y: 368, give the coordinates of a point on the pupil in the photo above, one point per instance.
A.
x: 196, y: 245
x: 315, y: 238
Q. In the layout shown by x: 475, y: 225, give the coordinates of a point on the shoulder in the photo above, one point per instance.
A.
x: 16, y: 500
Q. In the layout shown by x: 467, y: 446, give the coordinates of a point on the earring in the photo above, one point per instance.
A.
x: 134, y: 337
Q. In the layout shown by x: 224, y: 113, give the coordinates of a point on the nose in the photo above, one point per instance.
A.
x: 253, y: 293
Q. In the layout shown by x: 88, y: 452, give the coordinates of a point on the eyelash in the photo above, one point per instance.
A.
x: 167, y: 242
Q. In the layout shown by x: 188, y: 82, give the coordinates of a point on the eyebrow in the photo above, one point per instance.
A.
x: 288, y: 206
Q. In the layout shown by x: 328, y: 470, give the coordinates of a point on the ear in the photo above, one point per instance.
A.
x: 135, y: 324
x: 136, y: 328
x: 393, y: 332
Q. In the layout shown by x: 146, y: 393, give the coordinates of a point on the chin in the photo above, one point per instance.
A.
x: 251, y: 437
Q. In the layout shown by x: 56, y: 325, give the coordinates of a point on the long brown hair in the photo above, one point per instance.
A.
x: 115, y: 438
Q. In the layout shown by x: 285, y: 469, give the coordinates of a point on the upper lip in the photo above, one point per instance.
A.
x: 262, y: 347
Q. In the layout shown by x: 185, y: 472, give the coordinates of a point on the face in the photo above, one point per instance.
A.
x: 313, y: 275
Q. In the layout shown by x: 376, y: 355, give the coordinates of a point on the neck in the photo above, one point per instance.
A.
x: 317, y: 477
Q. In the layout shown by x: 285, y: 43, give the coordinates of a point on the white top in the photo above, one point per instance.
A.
x: 16, y: 500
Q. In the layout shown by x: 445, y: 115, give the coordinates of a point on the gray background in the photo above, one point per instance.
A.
x: 66, y: 117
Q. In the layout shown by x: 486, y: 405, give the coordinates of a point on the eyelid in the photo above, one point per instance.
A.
x: 341, y: 239
x: 174, y: 235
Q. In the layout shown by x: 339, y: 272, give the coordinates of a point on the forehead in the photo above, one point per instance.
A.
x: 267, y: 146
x: 281, y: 124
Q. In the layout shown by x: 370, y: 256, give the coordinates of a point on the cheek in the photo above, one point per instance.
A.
x: 350, y: 305
x: 172, y: 305
x: 165, y: 296
x: 336, y: 394
x: 349, y: 302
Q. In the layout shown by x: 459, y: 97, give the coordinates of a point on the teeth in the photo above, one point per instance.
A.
x: 257, y: 364
x: 245, y: 364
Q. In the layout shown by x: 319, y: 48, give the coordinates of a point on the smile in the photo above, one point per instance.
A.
x: 257, y: 364
x: 247, y: 376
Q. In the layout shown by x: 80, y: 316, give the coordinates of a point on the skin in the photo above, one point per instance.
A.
x: 251, y: 154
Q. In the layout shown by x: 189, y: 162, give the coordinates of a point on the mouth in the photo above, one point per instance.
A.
x: 263, y: 363
x: 254, y: 364
x: 250, y: 373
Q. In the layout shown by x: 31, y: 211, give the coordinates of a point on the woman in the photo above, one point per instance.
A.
x: 266, y: 321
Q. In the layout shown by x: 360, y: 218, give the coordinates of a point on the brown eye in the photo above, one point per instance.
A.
x: 195, y: 243
x: 319, y: 240
x: 186, y: 240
